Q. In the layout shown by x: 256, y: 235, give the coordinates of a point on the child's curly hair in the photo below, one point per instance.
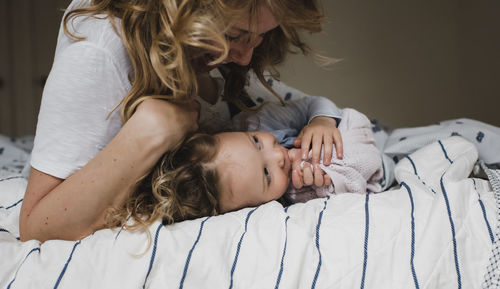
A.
x: 182, y: 186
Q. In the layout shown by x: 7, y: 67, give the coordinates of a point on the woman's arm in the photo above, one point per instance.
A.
x: 71, y: 209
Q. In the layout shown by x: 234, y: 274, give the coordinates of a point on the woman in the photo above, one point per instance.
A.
x: 103, y: 122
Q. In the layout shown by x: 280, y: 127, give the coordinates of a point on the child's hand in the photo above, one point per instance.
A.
x: 321, y: 130
x: 305, y: 174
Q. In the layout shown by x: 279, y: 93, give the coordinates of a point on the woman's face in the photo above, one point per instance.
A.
x: 241, y: 41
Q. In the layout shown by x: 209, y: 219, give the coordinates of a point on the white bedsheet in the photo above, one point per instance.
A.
x: 435, y: 231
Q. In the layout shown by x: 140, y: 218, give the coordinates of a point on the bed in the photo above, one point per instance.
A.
x: 437, y: 226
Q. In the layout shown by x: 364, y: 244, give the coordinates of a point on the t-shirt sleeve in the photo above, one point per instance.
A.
x: 83, y: 87
x: 319, y: 106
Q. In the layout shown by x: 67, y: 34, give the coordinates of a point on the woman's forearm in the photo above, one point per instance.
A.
x: 76, y: 207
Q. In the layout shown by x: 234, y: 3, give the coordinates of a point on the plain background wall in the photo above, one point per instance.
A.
x: 407, y: 63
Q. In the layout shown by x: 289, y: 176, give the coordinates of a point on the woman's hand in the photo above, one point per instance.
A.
x: 321, y: 130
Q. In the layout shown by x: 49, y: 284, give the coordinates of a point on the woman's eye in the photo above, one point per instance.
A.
x: 233, y: 38
x: 268, y: 176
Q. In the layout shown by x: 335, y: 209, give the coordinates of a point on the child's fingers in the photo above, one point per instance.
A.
x: 304, y: 145
x: 318, y: 176
x: 308, y: 174
x: 337, y: 139
x: 327, y: 150
x: 296, y: 165
x: 298, y: 140
x: 316, y: 148
x: 296, y: 180
x: 327, y: 180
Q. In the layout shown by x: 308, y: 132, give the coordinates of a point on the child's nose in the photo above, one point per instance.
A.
x: 279, y: 156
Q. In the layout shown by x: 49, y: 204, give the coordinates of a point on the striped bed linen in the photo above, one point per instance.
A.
x: 435, y: 230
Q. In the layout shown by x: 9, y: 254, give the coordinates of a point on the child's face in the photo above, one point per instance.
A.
x: 254, y: 169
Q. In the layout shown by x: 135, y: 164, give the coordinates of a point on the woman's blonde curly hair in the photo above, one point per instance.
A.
x: 158, y: 33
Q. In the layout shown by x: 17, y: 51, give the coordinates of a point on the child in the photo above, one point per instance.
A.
x: 213, y: 174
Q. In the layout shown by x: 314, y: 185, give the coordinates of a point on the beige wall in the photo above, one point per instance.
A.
x: 407, y: 63
x: 28, y: 33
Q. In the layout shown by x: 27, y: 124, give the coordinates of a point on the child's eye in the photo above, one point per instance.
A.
x: 256, y: 141
x: 268, y: 176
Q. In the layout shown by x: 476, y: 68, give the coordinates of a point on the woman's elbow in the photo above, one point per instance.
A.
x: 26, y: 231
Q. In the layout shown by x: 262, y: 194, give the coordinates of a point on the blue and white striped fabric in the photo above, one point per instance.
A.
x: 492, y: 276
x: 433, y: 231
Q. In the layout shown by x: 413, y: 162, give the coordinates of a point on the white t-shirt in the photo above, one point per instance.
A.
x: 87, y: 81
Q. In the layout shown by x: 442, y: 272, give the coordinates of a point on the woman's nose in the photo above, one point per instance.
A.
x: 242, y: 55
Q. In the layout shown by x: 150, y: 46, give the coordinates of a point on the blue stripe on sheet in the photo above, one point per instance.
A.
x: 415, y: 171
x: 365, y: 246
x: 3, y: 230
x: 66, y: 265
x: 11, y: 178
x: 239, y: 247
x: 492, y: 238
x: 452, y: 225
x: 318, y: 226
x: 188, y: 259
x: 413, y: 165
x: 153, y: 254
x: 444, y: 151
x: 13, y: 205
x: 412, y: 253
x: 26, y: 257
x: 278, y: 279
